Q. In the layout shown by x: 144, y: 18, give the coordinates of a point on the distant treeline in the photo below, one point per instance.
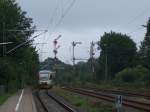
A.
x: 20, y: 67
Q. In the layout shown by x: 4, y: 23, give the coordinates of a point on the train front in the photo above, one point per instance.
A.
x: 45, y: 79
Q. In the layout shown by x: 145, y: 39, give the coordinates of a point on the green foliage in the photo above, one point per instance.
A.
x: 19, y: 67
x: 139, y: 74
x: 144, y: 52
x: 4, y: 97
x: 12, y: 17
x: 127, y: 75
x: 120, y: 51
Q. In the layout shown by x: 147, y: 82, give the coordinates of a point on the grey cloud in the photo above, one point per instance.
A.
x: 88, y: 19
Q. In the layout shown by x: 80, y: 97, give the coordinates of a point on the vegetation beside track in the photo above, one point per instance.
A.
x: 5, y: 96
x: 86, y: 103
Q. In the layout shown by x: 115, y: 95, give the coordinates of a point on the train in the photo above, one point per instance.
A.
x: 46, y: 79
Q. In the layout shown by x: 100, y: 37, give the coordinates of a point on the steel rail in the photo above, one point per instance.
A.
x: 110, y: 98
x: 68, y: 108
x: 123, y: 92
x: 41, y: 102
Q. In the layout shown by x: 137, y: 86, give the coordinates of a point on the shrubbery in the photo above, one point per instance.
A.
x: 139, y: 74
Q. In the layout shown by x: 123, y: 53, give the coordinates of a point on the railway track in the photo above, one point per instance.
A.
x: 111, y: 98
x: 121, y: 92
x: 124, y: 93
x: 45, y: 103
x: 42, y: 105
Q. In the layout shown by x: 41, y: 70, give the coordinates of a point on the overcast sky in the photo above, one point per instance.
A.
x: 86, y: 21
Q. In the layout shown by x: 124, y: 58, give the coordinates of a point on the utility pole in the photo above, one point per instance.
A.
x: 92, y: 55
x: 73, y: 48
x: 55, y: 42
x: 4, y: 39
x: 106, y: 67
x: 55, y: 51
x: 73, y: 56
x: 106, y: 63
x: 74, y: 44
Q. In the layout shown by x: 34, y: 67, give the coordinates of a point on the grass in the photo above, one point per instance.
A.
x: 86, y: 103
x: 4, y: 97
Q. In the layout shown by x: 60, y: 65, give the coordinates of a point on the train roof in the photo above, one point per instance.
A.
x: 46, y: 71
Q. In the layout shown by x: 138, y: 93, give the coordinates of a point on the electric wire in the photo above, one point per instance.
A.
x: 135, y: 30
x: 50, y: 24
x: 42, y: 46
x: 53, y: 15
x: 135, y: 18
x: 64, y: 13
x: 20, y: 45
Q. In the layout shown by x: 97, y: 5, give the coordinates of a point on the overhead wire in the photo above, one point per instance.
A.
x: 42, y: 46
x: 69, y: 7
x: 135, y: 18
x: 61, y: 5
x: 63, y: 15
x: 53, y: 15
x: 20, y: 45
x: 135, y: 30
x: 64, y: 12
x: 50, y: 24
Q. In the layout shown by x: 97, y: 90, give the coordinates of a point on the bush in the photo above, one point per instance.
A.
x: 139, y: 74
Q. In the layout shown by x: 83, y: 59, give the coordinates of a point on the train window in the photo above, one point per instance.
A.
x: 50, y: 77
x: 43, y: 76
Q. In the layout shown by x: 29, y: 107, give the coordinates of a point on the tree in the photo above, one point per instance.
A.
x: 144, y: 52
x: 22, y: 64
x: 12, y: 17
x: 118, y: 51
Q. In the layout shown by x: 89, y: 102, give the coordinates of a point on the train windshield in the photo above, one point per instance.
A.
x: 43, y: 76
